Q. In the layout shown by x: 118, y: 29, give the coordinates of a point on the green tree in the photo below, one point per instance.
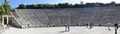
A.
x: 21, y: 6
x: 39, y: 6
x: 2, y: 11
x: 64, y: 5
x: 33, y: 6
x: 48, y: 6
x: 6, y: 7
x: 79, y: 6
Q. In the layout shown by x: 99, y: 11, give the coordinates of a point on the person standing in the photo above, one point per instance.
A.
x: 116, y: 27
x: 68, y: 26
x: 87, y: 25
x: 65, y: 27
x: 108, y: 25
x: 90, y: 25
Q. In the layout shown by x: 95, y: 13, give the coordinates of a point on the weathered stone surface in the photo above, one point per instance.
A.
x: 59, y: 17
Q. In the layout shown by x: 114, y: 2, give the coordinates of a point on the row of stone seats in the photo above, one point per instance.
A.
x: 59, y: 17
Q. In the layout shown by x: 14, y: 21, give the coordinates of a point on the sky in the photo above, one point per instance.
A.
x: 15, y: 3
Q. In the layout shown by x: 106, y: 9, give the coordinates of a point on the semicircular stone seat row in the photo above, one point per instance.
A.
x: 59, y: 17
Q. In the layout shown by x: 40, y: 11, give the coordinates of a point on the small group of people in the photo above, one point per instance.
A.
x: 89, y: 25
x: 67, y: 26
x: 115, y: 25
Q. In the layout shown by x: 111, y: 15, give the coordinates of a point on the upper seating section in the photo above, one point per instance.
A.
x: 59, y: 17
